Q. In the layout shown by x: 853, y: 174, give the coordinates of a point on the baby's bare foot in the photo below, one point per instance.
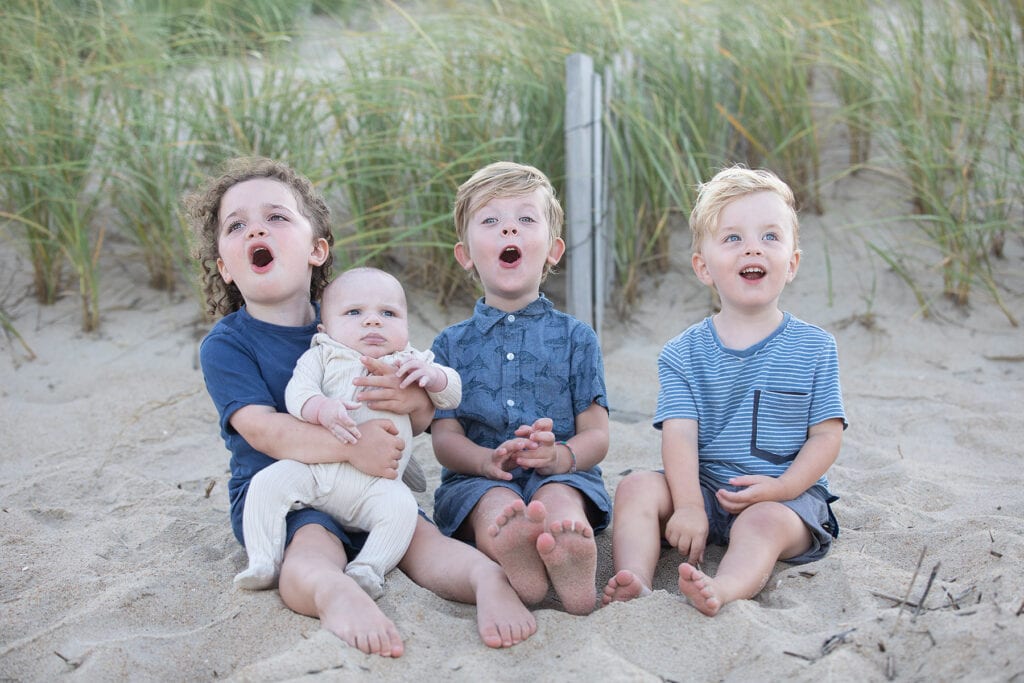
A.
x: 624, y: 586
x: 699, y: 588
x: 570, y: 556
x: 515, y: 532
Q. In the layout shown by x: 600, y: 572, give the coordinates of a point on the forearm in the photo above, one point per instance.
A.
x: 281, y: 436
x: 311, y: 409
x: 679, y: 456
x: 455, y: 451
x: 588, y: 447
x: 818, y: 453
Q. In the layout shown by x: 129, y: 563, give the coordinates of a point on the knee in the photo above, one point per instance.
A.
x: 640, y: 490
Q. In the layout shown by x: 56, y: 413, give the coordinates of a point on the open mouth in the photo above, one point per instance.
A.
x: 510, y: 255
x: 752, y: 273
x: 261, y: 257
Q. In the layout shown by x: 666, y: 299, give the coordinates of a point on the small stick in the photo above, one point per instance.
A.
x: 1020, y: 610
x: 909, y: 588
x: 927, y: 587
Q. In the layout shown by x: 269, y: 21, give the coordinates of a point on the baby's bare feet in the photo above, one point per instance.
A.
x: 569, y: 553
x: 624, y: 586
x: 515, y: 532
x: 699, y: 588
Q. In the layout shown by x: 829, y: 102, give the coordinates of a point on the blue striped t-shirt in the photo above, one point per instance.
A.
x: 753, y: 406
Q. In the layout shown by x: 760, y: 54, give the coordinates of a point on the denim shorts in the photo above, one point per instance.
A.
x: 458, y: 494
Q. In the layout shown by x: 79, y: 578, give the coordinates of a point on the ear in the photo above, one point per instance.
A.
x: 794, y: 265
x: 222, y: 269
x: 700, y: 268
x: 321, y: 250
x: 319, y: 327
x: 556, y: 251
x: 463, y: 257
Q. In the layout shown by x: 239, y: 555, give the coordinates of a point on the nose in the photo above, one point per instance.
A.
x: 372, y: 320
x: 753, y: 248
x: 256, y: 230
x: 510, y: 230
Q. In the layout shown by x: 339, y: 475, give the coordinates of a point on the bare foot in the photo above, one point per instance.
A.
x: 501, y: 617
x: 570, y: 557
x: 624, y: 586
x: 349, y: 613
x: 699, y: 588
x: 515, y: 533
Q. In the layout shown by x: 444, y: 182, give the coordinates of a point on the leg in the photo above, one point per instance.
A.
x: 456, y: 571
x: 506, y: 529
x: 387, y: 509
x: 272, y: 492
x: 567, y: 548
x: 313, y: 582
x: 761, y: 535
x: 642, y: 505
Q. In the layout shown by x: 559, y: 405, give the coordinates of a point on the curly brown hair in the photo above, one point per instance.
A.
x: 203, y: 206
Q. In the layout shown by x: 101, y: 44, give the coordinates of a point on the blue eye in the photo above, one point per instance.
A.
x: 388, y: 314
x: 771, y: 236
x: 527, y: 219
x: 352, y: 311
x: 237, y: 225
x: 732, y: 238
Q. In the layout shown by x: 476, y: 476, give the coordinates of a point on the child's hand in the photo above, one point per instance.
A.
x: 382, y: 389
x: 687, y: 532
x: 425, y: 375
x: 755, y: 489
x: 503, y: 460
x: 379, y: 451
x: 541, y: 454
x: 333, y: 414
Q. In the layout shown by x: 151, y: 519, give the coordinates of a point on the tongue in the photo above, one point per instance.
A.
x: 261, y: 258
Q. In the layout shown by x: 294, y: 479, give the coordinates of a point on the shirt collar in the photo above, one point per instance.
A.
x: 485, y: 317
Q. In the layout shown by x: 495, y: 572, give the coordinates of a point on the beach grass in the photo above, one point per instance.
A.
x: 112, y: 109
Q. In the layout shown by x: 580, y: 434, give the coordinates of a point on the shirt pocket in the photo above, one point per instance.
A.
x: 780, y: 424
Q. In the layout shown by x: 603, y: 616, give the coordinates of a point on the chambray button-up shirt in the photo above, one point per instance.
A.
x: 518, y: 367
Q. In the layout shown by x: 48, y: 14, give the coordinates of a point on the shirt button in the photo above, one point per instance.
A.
x: 510, y: 356
x: 511, y: 318
x: 510, y: 403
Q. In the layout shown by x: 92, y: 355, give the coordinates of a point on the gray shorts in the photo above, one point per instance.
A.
x: 810, y: 507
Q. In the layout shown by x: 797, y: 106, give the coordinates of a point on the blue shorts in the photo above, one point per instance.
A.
x: 458, y: 494
x: 810, y: 507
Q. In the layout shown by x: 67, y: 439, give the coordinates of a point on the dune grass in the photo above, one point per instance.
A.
x: 112, y: 109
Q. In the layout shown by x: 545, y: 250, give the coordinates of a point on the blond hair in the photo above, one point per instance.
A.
x: 506, y: 179
x: 729, y: 184
x: 202, y: 208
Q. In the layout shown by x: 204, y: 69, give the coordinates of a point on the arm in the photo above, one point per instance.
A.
x: 281, y: 436
x: 332, y: 414
x: 455, y: 451
x: 687, y: 528
x: 589, y: 444
x: 815, y: 457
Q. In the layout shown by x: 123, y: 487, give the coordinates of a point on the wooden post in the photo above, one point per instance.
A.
x: 584, y: 149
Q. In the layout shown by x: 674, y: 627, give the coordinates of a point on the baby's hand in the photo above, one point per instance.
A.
x: 687, y: 532
x: 333, y: 414
x: 425, y: 375
x: 755, y: 489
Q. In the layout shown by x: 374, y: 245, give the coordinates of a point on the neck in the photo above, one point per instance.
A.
x: 292, y: 314
x: 510, y: 304
x: 742, y: 329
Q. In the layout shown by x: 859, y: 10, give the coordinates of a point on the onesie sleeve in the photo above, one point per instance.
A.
x: 306, y: 381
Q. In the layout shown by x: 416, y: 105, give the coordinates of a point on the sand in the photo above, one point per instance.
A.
x: 117, y: 556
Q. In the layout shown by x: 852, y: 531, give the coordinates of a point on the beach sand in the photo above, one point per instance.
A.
x: 117, y: 555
